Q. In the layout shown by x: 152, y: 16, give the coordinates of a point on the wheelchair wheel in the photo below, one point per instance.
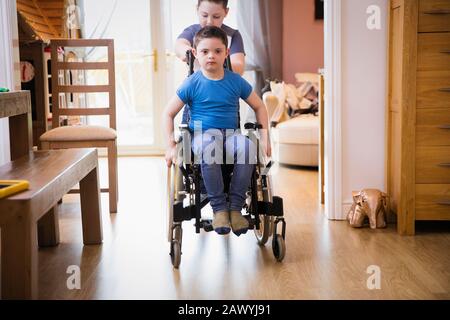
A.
x: 174, y: 186
x: 175, y: 253
x: 178, y: 234
x: 278, y: 247
x: 265, y: 229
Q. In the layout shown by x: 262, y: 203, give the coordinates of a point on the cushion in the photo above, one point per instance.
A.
x: 303, y: 129
x: 278, y: 89
x: 79, y: 133
x: 291, y: 96
x: 271, y: 102
x: 277, y: 111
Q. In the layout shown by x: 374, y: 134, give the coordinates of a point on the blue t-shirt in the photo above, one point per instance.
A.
x: 235, y: 42
x: 214, y: 102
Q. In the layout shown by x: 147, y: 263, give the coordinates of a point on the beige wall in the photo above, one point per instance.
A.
x: 302, y: 39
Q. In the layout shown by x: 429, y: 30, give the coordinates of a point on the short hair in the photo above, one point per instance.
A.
x: 209, y: 32
x: 224, y: 3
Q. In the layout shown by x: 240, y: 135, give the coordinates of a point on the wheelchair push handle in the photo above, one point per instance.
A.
x: 190, y: 61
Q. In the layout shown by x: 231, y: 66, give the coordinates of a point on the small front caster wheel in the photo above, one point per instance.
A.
x: 278, y: 247
x: 175, y: 253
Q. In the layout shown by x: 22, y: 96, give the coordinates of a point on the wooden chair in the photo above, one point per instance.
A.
x: 84, y: 136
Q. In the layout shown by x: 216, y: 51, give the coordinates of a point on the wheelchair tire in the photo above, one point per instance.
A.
x: 278, y: 247
x: 178, y: 234
x: 174, y: 185
x: 265, y: 229
x: 175, y: 253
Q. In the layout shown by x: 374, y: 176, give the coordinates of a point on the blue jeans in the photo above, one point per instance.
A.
x: 208, y: 150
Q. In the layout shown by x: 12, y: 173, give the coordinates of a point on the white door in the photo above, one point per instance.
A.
x: 137, y: 28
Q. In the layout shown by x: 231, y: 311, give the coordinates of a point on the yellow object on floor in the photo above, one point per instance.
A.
x: 9, y: 187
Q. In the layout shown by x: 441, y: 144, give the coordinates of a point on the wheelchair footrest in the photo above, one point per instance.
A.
x: 206, y: 225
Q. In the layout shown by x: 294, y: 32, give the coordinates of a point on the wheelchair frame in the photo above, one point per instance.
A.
x: 264, y: 210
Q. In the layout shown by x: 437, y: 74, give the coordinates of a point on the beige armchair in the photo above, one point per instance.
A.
x: 295, y: 141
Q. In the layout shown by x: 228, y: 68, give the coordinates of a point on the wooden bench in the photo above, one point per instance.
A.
x: 30, y: 218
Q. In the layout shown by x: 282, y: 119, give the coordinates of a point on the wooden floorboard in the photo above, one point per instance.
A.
x: 325, y: 259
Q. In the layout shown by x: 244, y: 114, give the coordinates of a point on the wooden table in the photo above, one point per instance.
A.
x: 29, y: 218
x: 17, y: 107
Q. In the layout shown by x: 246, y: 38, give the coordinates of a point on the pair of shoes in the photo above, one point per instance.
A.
x: 239, y: 223
x: 221, y: 222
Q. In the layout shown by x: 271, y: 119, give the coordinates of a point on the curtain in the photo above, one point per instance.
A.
x: 9, y: 70
x: 260, y: 23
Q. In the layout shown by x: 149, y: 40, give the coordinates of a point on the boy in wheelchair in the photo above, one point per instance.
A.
x: 213, y: 95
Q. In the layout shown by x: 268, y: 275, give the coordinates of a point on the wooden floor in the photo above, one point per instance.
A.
x: 325, y: 259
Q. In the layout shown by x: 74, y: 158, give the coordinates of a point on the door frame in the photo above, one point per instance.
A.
x: 333, y: 110
x: 159, y: 80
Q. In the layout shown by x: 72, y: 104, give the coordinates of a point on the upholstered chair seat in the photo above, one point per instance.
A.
x: 79, y: 133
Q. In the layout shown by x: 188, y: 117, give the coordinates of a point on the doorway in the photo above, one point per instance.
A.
x: 139, y: 69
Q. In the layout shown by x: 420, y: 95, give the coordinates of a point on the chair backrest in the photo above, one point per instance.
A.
x: 57, y: 88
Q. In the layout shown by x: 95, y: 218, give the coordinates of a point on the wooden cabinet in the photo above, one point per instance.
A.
x: 418, y: 159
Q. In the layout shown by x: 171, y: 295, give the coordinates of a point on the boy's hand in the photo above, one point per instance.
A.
x: 265, y: 142
x: 170, y: 155
x: 268, y: 150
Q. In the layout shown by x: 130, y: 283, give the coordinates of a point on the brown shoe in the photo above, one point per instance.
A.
x: 221, y: 222
x: 239, y: 223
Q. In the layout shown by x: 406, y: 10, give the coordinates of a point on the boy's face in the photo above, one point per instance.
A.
x: 211, y: 54
x: 211, y: 14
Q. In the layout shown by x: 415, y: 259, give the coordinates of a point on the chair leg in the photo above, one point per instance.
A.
x: 112, y: 177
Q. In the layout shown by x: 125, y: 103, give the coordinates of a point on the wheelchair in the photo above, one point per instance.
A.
x: 264, y: 211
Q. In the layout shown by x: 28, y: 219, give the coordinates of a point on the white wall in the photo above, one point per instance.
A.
x: 364, y: 61
x: 9, y: 68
